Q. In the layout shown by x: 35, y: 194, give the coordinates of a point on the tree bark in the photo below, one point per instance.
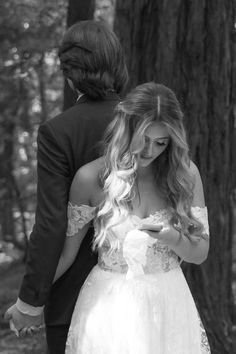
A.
x: 42, y: 87
x: 7, y: 192
x: 189, y: 46
x: 78, y: 10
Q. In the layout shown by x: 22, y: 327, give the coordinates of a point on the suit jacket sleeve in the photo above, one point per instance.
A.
x: 48, y: 235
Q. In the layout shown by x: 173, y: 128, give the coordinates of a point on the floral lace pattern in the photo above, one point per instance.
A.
x: 78, y: 217
x: 201, y: 215
x: 139, y: 253
x: 158, y: 257
x: 204, y: 340
x: 113, y: 262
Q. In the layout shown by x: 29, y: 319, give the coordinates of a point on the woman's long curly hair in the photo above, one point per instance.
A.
x: 124, y: 140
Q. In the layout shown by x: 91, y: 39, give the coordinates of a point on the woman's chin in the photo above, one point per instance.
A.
x: 144, y: 162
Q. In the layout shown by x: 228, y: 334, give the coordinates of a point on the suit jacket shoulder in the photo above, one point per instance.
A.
x: 79, y: 130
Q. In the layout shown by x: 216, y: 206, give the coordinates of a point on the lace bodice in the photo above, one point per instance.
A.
x: 138, y: 253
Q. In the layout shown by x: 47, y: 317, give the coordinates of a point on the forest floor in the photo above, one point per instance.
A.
x: 9, y: 343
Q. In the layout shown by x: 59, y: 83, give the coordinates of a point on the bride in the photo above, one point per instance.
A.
x: 145, y: 199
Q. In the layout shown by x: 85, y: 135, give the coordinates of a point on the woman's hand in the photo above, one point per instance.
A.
x: 167, y: 235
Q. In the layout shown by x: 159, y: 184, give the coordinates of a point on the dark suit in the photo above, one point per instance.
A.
x: 65, y: 143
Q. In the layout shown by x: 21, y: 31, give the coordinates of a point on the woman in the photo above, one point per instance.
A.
x: 146, y: 200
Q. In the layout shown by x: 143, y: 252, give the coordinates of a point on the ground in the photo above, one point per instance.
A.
x: 9, y: 343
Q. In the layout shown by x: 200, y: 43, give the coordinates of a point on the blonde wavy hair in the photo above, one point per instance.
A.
x: 123, y: 142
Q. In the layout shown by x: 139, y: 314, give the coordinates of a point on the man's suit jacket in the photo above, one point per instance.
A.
x: 65, y: 143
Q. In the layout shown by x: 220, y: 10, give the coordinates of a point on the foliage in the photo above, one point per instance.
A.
x: 30, y: 92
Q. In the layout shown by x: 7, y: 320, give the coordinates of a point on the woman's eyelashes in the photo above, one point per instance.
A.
x: 161, y: 144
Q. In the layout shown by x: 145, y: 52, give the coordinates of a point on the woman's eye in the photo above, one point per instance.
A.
x: 160, y: 144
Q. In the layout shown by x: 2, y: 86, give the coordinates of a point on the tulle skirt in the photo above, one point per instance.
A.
x: 148, y: 314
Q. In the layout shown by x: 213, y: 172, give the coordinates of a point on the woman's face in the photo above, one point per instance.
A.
x: 156, y: 139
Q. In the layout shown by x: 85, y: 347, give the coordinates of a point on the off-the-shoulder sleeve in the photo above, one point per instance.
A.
x: 201, y: 215
x: 78, y: 217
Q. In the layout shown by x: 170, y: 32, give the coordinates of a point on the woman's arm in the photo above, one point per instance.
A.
x: 69, y: 252
x: 80, y: 193
x: 195, y: 251
x: 192, y: 250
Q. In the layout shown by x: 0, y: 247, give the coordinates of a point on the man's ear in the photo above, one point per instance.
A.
x: 70, y: 83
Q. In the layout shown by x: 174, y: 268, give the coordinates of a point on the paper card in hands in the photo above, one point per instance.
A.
x: 151, y: 227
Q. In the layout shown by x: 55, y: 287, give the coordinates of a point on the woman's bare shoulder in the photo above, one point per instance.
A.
x: 193, y: 168
x: 85, y: 186
x: 194, y: 171
x: 198, y: 199
x: 88, y: 175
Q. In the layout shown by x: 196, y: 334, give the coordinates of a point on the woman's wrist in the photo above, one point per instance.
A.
x: 179, y: 239
x: 180, y: 235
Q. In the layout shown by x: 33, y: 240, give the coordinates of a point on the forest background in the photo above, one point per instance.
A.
x: 188, y: 45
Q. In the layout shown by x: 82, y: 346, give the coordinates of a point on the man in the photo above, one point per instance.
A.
x: 92, y: 61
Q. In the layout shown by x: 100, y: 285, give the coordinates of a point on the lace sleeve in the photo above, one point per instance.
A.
x: 78, y: 217
x: 201, y: 215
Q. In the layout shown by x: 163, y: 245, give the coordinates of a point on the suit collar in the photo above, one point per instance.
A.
x: 111, y: 96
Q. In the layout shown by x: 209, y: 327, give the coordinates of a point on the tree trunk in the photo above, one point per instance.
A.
x: 7, y: 192
x: 188, y: 46
x: 42, y: 87
x: 78, y: 10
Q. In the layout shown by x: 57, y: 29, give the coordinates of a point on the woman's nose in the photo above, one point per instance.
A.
x: 148, y: 149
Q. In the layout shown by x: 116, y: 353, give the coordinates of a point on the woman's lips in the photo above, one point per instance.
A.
x: 146, y: 157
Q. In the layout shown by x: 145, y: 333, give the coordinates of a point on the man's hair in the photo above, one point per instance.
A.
x: 92, y: 58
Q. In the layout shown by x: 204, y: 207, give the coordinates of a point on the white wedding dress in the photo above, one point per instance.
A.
x: 135, y: 300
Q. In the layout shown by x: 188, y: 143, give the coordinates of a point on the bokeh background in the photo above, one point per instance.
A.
x: 189, y: 46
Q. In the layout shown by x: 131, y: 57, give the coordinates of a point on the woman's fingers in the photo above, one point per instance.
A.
x: 29, y: 331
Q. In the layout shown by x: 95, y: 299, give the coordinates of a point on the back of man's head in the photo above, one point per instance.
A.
x: 92, y: 58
